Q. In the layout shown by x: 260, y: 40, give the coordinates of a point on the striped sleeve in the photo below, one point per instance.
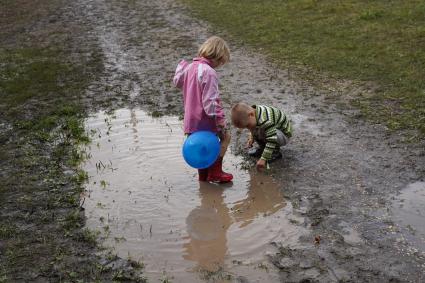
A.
x: 271, y: 140
x: 268, y: 117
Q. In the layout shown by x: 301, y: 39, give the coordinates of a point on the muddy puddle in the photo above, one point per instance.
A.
x: 409, y: 213
x: 149, y: 205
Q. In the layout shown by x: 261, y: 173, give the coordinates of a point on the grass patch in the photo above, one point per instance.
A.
x: 73, y: 220
x: 39, y: 101
x: 88, y: 236
x: 367, y: 41
x: 42, y: 77
x: 8, y: 230
x: 42, y: 106
x: 156, y: 114
x: 32, y: 73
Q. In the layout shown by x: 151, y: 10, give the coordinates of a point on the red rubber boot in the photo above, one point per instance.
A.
x: 216, y: 174
x: 202, y: 175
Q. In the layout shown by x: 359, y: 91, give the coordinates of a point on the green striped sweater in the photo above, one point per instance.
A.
x: 271, y: 119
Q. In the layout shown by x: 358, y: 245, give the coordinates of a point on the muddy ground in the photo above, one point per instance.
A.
x: 339, y: 172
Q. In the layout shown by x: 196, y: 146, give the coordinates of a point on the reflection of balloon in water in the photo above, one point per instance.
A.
x: 201, y: 149
x: 204, y: 224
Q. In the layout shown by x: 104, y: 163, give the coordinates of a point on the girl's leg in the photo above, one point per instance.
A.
x: 202, y: 175
x: 225, y: 141
x: 215, y: 172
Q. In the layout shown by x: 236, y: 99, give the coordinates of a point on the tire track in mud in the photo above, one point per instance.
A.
x: 339, y: 171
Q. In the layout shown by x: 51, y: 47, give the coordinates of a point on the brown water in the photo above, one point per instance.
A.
x: 149, y: 204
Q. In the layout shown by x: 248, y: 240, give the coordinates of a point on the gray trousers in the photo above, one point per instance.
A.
x: 259, y: 136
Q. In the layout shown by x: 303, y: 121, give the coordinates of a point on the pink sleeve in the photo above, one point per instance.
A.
x: 179, y: 75
x: 211, y: 98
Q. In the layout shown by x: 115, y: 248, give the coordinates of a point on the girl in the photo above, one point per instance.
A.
x: 201, y: 98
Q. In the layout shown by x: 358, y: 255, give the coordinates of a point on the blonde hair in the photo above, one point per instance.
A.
x: 240, y: 113
x: 215, y: 48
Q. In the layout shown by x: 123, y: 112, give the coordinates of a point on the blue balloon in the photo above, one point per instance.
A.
x: 201, y: 149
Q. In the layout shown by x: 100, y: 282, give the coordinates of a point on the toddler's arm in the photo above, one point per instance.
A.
x: 271, y: 141
x: 178, y: 76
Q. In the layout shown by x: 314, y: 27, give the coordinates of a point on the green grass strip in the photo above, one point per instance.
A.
x: 382, y: 42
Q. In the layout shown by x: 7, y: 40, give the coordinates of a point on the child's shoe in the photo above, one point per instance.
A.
x: 255, y: 151
x: 258, y: 151
x: 216, y: 174
x: 202, y: 175
x: 275, y: 156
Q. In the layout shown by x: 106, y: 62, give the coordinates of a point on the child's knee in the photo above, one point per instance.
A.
x: 282, y: 139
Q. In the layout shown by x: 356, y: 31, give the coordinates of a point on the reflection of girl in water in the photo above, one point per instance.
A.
x: 207, y: 225
x: 207, y: 228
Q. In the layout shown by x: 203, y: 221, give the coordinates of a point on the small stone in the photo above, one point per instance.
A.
x: 285, y: 263
x: 306, y: 264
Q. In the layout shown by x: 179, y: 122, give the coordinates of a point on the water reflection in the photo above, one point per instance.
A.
x: 208, y: 223
x: 152, y: 208
x: 264, y: 198
x: 207, y: 227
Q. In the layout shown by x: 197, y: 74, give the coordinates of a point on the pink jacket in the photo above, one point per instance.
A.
x: 201, y: 98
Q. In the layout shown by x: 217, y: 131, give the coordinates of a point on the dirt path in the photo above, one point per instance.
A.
x: 340, y: 173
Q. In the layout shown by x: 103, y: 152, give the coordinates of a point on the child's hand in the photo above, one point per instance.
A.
x: 250, y: 142
x: 261, y: 164
x: 222, y: 128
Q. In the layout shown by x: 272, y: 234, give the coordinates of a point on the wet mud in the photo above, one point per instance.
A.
x: 408, y: 212
x: 343, y: 205
x: 339, y: 173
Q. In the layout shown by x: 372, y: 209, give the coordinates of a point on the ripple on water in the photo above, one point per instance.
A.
x: 150, y: 201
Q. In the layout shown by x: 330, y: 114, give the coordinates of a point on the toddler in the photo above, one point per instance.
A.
x: 269, y: 127
x: 202, y: 105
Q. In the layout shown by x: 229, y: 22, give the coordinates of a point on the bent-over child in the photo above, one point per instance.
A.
x: 268, y: 126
